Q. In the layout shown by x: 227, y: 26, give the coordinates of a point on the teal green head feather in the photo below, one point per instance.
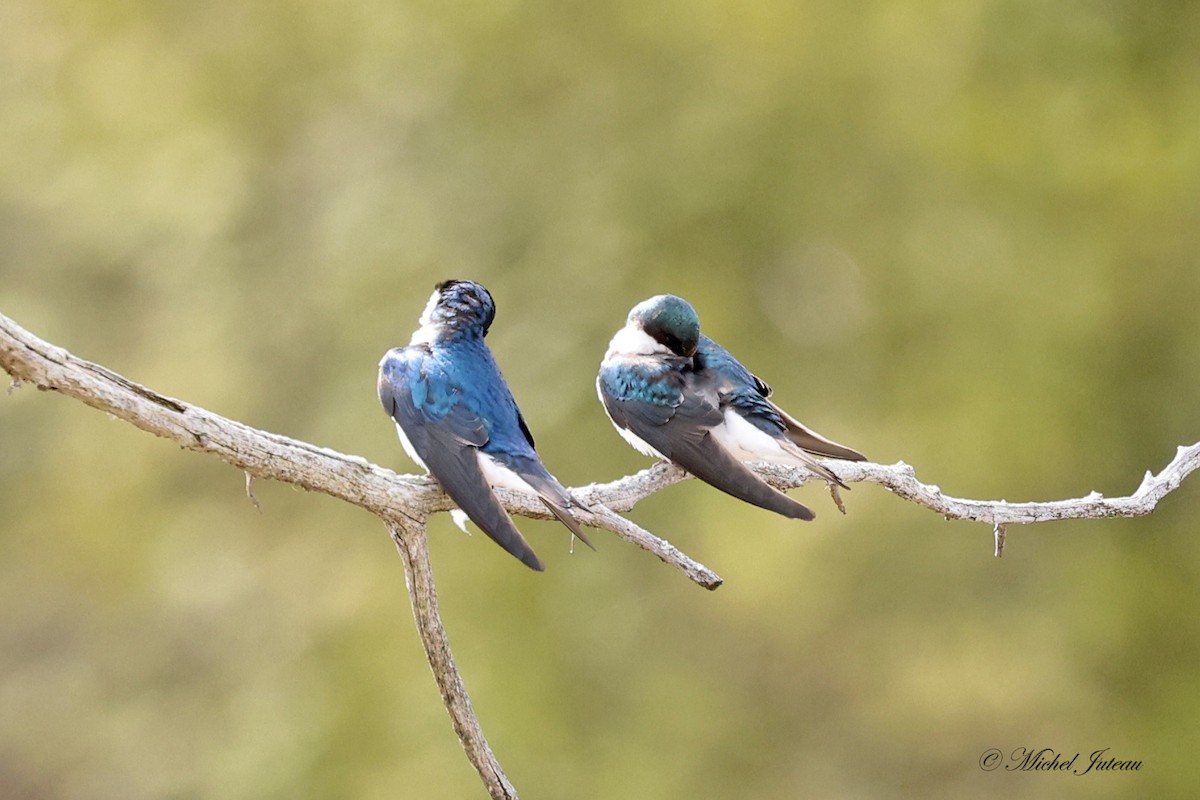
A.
x: 669, y: 320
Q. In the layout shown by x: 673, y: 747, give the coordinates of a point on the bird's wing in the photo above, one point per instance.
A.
x: 528, y: 467
x: 446, y: 434
x: 674, y: 413
x: 689, y: 442
x: 641, y: 394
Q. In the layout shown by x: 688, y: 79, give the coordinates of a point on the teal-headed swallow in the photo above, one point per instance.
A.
x: 457, y: 418
x: 673, y: 393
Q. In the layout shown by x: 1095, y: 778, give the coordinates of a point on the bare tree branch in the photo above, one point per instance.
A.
x: 404, y: 502
x: 901, y: 480
x: 413, y: 546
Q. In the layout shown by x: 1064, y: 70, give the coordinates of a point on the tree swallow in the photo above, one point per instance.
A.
x: 458, y: 420
x: 673, y: 393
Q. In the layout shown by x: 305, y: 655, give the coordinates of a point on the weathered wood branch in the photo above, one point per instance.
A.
x: 413, y: 546
x: 404, y: 502
x: 900, y: 478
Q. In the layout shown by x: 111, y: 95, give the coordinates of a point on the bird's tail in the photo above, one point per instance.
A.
x: 810, y: 463
x: 552, y: 493
x: 813, y: 442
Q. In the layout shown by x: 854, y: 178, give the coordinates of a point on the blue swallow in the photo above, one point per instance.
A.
x: 458, y: 420
x: 673, y: 393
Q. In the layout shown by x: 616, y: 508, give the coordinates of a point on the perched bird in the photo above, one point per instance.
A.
x: 673, y: 393
x: 457, y: 418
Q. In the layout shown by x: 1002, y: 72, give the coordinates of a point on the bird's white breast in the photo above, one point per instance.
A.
x: 632, y: 340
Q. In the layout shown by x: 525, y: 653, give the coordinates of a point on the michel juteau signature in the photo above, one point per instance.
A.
x: 1026, y: 759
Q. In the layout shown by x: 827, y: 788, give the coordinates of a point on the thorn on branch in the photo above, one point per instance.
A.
x: 14, y: 385
x: 250, y: 492
x: 999, y: 532
x: 837, y: 497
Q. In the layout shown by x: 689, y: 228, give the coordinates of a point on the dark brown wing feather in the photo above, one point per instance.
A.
x: 814, y: 442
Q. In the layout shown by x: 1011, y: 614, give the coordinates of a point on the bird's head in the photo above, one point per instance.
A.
x: 669, y: 321
x: 460, y: 307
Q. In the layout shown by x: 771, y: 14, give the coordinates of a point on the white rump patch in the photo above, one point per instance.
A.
x: 499, y: 476
x: 748, y: 443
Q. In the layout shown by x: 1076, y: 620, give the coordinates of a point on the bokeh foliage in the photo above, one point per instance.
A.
x: 962, y: 234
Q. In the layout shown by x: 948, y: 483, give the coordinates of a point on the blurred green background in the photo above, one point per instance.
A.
x: 961, y: 234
